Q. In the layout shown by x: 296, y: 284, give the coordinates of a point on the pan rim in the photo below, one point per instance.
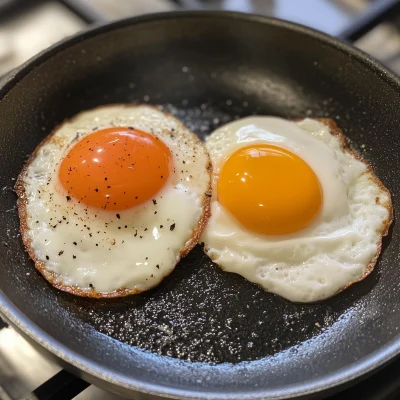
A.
x: 21, y: 321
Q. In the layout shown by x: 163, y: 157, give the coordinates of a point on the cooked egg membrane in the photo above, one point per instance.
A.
x: 135, y: 249
x: 341, y: 244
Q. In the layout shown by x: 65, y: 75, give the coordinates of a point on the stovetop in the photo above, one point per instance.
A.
x: 28, y: 26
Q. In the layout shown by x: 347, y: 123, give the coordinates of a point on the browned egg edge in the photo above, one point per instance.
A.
x: 51, y: 276
x: 336, y: 131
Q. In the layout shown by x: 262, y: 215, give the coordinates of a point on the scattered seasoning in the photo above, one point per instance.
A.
x: 105, y: 179
x: 157, y: 266
x: 90, y: 285
x: 145, y: 229
x: 68, y: 198
x: 47, y: 258
x: 172, y: 227
x: 60, y: 253
x: 161, y: 226
x: 96, y: 190
x: 154, y: 201
x: 135, y: 233
x: 155, y: 212
x: 147, y: 258
x: 208, y: 194
x: 118, y: 216
x: 73, y: 257
x: 74, y: 243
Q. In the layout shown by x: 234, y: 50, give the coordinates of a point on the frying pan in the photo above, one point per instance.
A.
x: 203, y: 333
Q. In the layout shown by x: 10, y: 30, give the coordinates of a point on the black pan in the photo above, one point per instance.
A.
x: 203, y: 333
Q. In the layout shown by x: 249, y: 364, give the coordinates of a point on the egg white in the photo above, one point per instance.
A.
x: 107, y: 251
x: 336, y: 249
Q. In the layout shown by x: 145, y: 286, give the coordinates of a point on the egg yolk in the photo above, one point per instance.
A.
x: 115, y: 168
x: 269, y: 190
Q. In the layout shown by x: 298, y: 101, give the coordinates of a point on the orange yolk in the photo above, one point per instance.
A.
x: 269, y: 190
x: 116, y: 168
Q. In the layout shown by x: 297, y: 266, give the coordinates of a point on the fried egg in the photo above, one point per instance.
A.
x: 294, y: 210
x: 112, y: 200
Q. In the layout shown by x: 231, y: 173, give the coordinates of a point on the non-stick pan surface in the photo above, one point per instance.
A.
x: 204, y: 333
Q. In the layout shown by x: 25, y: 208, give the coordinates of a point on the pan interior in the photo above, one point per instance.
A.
x: 207, y: 74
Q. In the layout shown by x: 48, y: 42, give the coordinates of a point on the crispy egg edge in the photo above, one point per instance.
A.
x: 50, y: 276
x: 335, y: 130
